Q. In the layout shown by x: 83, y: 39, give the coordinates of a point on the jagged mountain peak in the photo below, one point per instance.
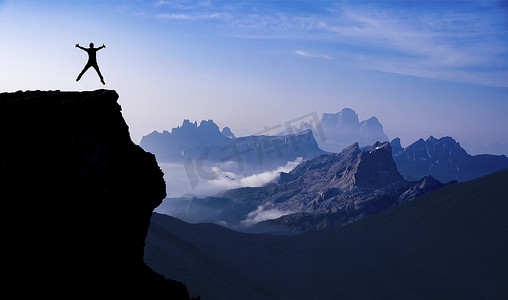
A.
x: 376, y: 167
x: 444, y: 159
x: 344, y: 128
x: 438, y: 147
x: 444, y: 139
x: 226, y: 131
x: 350, y: 168
x: 396, y: 146
x: 351, y: 151
x: 353, y: 146
x: 420, y: 141
x: 347, y: 117
x: 188, y: 124
x: 395, y: 140
x: 372, y: 121
x: 208, y: 124
x: 383, y: 146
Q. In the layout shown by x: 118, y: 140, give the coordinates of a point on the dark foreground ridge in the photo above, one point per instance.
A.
x: 448, y: 244
x: 77, y: 196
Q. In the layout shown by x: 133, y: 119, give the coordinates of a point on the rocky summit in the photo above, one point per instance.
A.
x: 77, y: 197
x: 443, y: 159
x: 344, y: 128
x: 339, y: 187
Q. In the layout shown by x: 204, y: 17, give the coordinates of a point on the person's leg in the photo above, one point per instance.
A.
x: 83, y: 72
x: 96, y: 67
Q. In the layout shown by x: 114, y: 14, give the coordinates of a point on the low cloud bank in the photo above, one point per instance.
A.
x: 262, y: 213
x: 177, y: 182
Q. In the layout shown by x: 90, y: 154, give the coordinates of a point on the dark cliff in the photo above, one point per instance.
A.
x: 77, y: 196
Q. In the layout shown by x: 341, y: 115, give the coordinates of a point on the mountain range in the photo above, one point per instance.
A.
x: 443, y: 159
x: 78, y: 216
x: 205, y: 142
x: 448, y: 244
x: 203, y: 147
x: 329, y: 190
x: 261, y: 152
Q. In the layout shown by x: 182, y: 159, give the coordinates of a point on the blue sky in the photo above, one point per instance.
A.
x: 422, y: 67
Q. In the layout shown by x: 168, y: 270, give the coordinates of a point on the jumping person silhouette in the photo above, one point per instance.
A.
x: 92, y: 60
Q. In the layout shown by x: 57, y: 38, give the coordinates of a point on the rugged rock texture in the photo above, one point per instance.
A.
x: 344, y: 188
x: 77, y: 197
x: 329, y: 190
x: 443, y: 159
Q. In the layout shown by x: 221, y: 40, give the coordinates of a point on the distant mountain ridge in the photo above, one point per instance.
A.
x: 207, y: 142
x: 189, y: 137
x: 444, y: 159
x: 344, y: 128
x: 349, y: 185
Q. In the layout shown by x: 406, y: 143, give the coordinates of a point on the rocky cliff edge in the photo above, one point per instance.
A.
x: 77, y: 196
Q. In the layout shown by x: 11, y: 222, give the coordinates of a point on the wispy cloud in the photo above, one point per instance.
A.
x: 263, y: 213
x: 193, y: 17
x: 182, y: 4
x: 445, y: 46
x: 459, y: 43
x: 177, y: 183
x: 306, y: 54
x: 176, y: 16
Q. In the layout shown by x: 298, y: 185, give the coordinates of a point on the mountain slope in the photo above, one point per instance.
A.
x: 448, y: 244
x: 203, y: 274
x: 345, y: 186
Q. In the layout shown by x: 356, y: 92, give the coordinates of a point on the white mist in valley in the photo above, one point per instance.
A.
x: 224, y: 176
x: 263, y: 213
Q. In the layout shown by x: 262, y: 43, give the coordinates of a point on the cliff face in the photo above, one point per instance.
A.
x: 77, y: 195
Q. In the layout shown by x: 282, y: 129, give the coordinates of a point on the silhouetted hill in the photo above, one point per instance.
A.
x: 77, y: 198
x: 342, y: 187
x: 443, y: 159
x: 448, y: 244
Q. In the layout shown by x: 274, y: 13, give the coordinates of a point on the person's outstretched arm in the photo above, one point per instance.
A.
x: 101, y: 47
x: 78, y: 46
